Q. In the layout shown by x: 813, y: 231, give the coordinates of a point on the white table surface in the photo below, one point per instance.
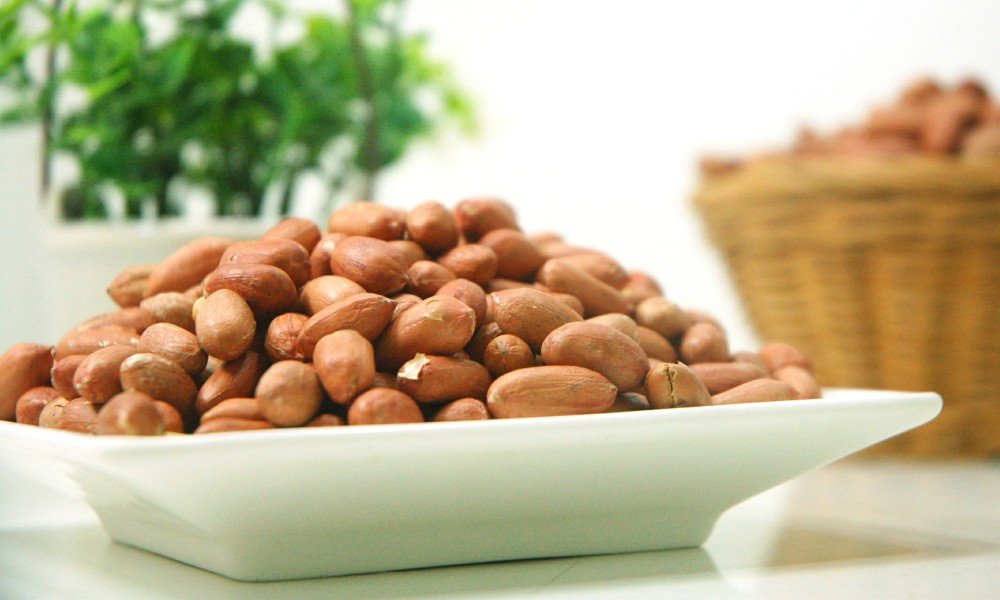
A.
x: 856, y: 529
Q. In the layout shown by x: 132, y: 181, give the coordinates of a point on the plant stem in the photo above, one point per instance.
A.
x: 47, y: 106
x: 370, y: 143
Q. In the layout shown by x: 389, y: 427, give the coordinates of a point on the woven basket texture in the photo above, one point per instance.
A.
x: 887, y: 272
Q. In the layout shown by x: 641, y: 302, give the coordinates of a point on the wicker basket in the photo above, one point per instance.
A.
x: 887, y: 272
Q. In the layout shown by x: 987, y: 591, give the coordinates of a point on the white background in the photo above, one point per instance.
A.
x: 594, y: 113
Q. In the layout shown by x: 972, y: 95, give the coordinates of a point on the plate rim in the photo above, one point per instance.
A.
x: 838, y: 399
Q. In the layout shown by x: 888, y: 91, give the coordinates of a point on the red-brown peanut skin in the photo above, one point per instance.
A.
x: 530, y: 314
x: 517, y: 257
x: 89, y: 341
x: 368, y: 314
x: 168, y: 307
x: 326, y: 420
x: 463, y: 409
x: 640, y: 287
x: 384, y: 406
x: 129, y: 318
x: 433, y: 379
x: 411, y: 250
x: 282, y: 339
x: 506, y: 353
x: 439, y: 325
x: 172, y: 420
x: 127, y: 288
x: 187, y: 266
x: 571, y: 301
x: 433, y: 227
x: 160, y: 378
x: 288, y: 255
x: 31, y: 403
x: 628, y: 402
x: 130, y: 413
x: 22, y: 367
x: 319, y: 259
x: 51, y: 415
x: 662, y: 316
x: 228, y: 425
x: 235, y: 378
x: 373, y: 264
x: 721, y: 376
x: 367, y: 219
x: 80, y: 416
x: 805, y: 385
x: 225, y: 326
x: 176, y: 344
x: 758, y: 390
x: 298, y: 229
x: 550, y: 391
x: 597, y: 297
x: 324, y: 291
x: 470, y: 293
x: 670, y: 385
x: 425, y: 278
x: 474, y: 262
x: 599, y: 348
x: 619, y: 321
x: 62, y: 375
x: 345, y: 363
x: 478, y: 216
x: 704, y: 342
x: 98, y: 378
x: 655, y: 345
x: 601, y: 266
x: 780, y: 354
x: 476, y: 348
x: 289, y: 393
x: 235, y: 408
x: 268, y: 290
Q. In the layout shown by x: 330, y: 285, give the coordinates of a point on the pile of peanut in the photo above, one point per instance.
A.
x: 389, y: 317
x: 927, y: 118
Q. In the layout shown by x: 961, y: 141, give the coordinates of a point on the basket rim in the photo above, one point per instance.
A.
x: 809, y: 178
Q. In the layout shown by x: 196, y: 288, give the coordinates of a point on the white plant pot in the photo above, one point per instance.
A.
x: 81, y: 259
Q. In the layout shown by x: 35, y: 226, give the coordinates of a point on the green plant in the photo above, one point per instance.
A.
x: 207, y: 108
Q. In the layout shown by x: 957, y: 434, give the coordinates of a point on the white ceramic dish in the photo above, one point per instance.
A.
x: 269, y: 505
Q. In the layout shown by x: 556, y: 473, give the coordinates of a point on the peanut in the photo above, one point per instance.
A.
x: 599, y: 348
x: 758, y: 390
x: 367, y: 219
x: 130, y: 413
x: 433, y: 227
x: 176, y: 344
x: 225, y: 325
x: 474, y: 262
x: 670, y: 385
x: 97, y: 379
x: 382, y: 406
x: 373, y: 264
x: 345, y: 362
x: 289, y: 393
x: 463, y: 409
x: 549, y: 391
x: 429, y: 379
x: 506, y: 353
x: 22, y: 367
x: 530, y: 314
x: 31, y: 403
x: 297, y: 229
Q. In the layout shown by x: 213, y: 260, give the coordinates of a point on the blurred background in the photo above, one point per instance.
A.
x: 169, y: 120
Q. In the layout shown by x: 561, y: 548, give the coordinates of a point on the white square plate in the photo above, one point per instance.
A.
x: 312, y: 502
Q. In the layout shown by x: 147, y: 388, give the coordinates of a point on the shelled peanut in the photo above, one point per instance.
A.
x: 926, y: 118
x: 388, y: 317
